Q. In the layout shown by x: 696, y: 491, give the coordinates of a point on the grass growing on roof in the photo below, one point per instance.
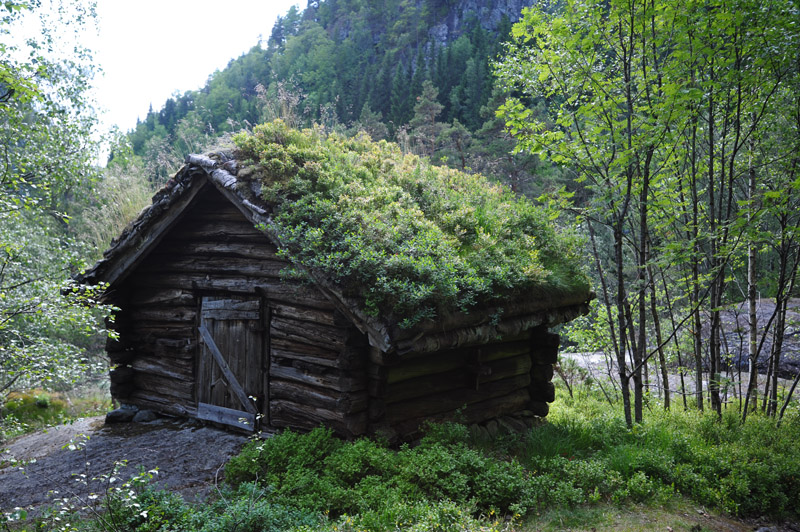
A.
x: 410, y: 239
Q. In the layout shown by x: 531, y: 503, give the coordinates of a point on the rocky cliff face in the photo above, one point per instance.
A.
x: 489, y: 13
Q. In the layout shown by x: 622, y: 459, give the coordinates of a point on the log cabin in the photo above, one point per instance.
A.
x: 223, y: 318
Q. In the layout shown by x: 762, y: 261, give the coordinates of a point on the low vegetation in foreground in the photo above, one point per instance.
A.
x: 582, y: 461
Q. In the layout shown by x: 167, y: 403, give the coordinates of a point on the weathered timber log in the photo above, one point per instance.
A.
x: 453, y: 359
x: 163, y: 297
x: 237, y: 419
x: 476, y: 413
x: 152, y: 331
x: 174, y: 349
x: 497, y: 406
x: 259, y: 249
x: 506, y: 367
x: 164, y: 315
x: 214, y: 229
x: 314, y: 351
x: 348, y: 403
x: 314, y: 375
x: 539, y: 408
x: 122, y: 390
x: 233, y: 314
x: 544, y: 346
x: 121, y: 358
x: 484, y: 332
x: 272, y: 289
x: 161, y: 404
x: 453, y: 400
x: 538, y: 313
x: 205, y: 210
x: 463, y: 377
x: 478, y: 334
x: 227, y: 303
x: 343, y: 360
x: 213, y: 265
x: 121, y: 373
x: 420, y: 386
x: 541, y: 373
x: 308, y: 333
x: 544, y: 355
x: 114, y: 345
x: 544, y: 337
x: 543, y: 391
x: 300, y: 313
x: 376, y: 410
x: 176, y: 239
x: 182, y: 370
x: 180, y: 390
x: 301, y: 416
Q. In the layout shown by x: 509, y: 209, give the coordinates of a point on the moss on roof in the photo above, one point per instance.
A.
x: 409, y: 239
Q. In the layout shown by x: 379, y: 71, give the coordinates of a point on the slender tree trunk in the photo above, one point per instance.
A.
x: 622, y: 352
x: 606, y: 300
x: 662, y: 362
x: 788, y: 398
x: 694, y: 298
x: 777, y: 348
x: 715, y: 296
x: 639, y: 361
x: 752, y: 383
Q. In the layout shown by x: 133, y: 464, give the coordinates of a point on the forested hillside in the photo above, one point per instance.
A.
x: 418, y: 72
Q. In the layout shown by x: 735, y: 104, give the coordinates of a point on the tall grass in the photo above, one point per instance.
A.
x: 121, y: 196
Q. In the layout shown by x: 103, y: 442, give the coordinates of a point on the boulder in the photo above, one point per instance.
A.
x: 122, y: 414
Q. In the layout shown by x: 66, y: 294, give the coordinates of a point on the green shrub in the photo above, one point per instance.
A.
x: 270, y: 460
x: 247, y: 509
x: 151, y: 511
x: 317, y: 471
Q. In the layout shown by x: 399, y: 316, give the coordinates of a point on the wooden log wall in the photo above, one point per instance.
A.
x: 472, y: 384
x: 316, y: 358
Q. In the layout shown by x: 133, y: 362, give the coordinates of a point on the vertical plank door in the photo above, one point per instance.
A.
x: 231, y: 371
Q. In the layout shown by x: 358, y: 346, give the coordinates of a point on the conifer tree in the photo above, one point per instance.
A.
x: 425, y: 130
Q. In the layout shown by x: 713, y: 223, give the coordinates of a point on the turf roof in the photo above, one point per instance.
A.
x: 410, y: 240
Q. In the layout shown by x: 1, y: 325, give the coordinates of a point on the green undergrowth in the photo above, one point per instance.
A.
x: 578, y: 468
x: 32, y: 410
x: 423, y: 239
x: 750, y: 469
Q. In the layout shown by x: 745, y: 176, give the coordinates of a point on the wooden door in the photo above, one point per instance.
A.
x: 232, y: 371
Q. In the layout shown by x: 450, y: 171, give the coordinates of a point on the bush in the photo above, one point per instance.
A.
x: 317, y: 471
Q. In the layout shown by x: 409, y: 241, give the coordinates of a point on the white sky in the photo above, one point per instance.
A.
x: 151, y: 49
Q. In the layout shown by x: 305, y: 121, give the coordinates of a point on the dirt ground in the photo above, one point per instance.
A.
x: 188, y: 457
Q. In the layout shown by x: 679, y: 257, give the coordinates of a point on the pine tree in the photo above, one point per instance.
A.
x: 425, y: 129
x: 371, y: 123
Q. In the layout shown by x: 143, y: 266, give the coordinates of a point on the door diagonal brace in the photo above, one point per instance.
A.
x: 226, y: 371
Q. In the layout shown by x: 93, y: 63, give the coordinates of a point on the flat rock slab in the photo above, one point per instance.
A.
x: 188, y: 456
